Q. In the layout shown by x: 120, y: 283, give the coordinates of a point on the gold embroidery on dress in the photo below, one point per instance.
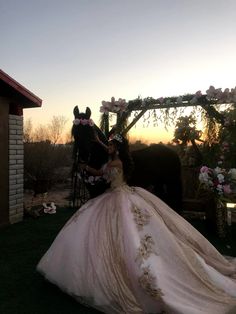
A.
x: 147, y: 282
x: 145, y: 249
x: 141, y: 218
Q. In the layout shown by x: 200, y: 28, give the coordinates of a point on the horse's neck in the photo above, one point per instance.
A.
x: 98, y: 156
x: 100, y: 134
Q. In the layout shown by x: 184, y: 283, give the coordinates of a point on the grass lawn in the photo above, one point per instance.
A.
x: 23, y: 290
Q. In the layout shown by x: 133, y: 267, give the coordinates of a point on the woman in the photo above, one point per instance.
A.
x: 126, y: 251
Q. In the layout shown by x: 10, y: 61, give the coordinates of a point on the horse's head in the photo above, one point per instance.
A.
x: 84, y: 131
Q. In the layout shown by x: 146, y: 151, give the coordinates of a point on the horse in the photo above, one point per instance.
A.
x: 156, y: 168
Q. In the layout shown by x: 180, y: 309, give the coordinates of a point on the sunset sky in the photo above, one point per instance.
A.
x: 80, y: 52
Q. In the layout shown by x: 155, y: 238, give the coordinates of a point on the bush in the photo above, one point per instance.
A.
x: 46, y: 164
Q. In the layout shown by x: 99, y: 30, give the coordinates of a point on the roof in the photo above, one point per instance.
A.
x: 17, y: 92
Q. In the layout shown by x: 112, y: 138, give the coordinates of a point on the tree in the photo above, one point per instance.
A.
x: 55, y: 128
x: 41, y: 134
x: 186, y: 132
x: 28, y: 131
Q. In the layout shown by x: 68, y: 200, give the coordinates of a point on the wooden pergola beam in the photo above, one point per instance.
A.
x: 134, y: 121
x: 152, y: 104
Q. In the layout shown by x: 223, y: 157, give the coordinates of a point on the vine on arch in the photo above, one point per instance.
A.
x: 167, y: 110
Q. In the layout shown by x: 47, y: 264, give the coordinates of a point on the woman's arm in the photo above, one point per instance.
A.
x: 97, y: 139
x: 99, y: 172
x: 93, y: 171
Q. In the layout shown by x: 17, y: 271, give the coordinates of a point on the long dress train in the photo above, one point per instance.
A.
x: 126, y: 251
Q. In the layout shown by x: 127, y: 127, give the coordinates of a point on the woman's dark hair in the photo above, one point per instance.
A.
x: 125, y: 156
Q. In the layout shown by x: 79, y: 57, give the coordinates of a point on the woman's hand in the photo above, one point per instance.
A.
x: 91, y: 170
x: 97, y: 140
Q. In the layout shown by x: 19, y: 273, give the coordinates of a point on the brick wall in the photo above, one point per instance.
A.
x: 16, y: 168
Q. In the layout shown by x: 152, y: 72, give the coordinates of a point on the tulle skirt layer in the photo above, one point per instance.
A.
x: 127, y: 252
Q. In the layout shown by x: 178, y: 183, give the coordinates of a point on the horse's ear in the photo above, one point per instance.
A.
x: 76, y: 112
x: 88, y: 113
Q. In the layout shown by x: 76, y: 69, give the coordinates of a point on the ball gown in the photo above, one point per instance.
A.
x: 126, y: 251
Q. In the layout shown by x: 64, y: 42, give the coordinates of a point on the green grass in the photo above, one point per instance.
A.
x: 23, y: 290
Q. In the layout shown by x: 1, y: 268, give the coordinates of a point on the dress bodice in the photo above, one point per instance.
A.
x: 114, y: 176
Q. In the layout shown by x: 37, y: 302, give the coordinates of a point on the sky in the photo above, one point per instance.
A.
x: 78, y: 52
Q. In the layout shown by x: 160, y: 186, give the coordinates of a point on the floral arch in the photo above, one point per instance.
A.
x: 208, y: 103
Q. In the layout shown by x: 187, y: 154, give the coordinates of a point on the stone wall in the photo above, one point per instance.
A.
x: 16, y: 168
x: 4, y: 162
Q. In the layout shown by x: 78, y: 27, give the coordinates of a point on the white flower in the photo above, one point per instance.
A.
x: 220, y: 178
x: 219, y: 188
x: 218, y: 170
x: 179, y: 100
x: 91, y: 179
x: 232, y: 173
x: 204, y: 177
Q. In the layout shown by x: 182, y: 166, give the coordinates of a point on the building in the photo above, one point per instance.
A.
x: 13, y: 99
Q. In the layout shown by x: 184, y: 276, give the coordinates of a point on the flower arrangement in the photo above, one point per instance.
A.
x: 220, y: 181
x: 227, y: 96
x: 113, y: 105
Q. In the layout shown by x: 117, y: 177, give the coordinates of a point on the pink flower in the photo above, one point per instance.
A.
x: 90, y: 122
x: 198, y: 94
x: 227, y: 189
x: 161, y: 100
x: 204, y: 169
x: 83, y: 121
x: 218, y: 93
x: 105, y: 107
x: 210, y: 92
x: 122, y: 104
